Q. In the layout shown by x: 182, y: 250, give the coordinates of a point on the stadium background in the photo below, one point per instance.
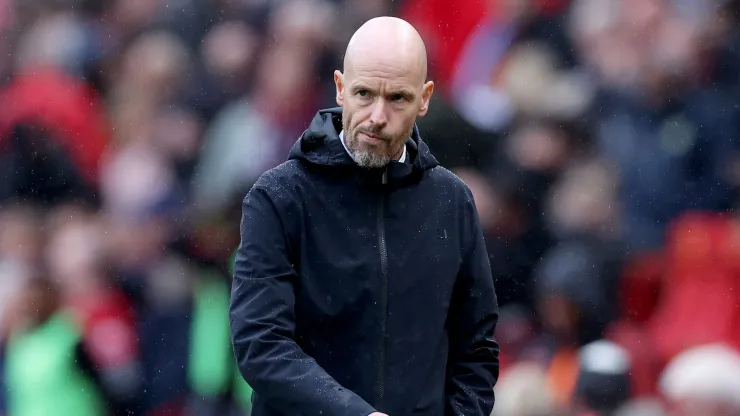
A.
x: 600, y: 139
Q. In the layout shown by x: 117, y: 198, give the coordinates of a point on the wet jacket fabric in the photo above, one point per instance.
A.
x: 359, y: 290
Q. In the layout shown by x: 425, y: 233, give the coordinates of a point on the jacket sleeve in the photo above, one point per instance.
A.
x: 262, y: 321
x: 473, y: 366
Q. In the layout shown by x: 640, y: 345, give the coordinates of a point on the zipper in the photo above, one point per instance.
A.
x: 384, y: 301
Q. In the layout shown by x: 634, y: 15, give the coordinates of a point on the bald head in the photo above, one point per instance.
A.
x: 384, y: 40
x: 383, y: 89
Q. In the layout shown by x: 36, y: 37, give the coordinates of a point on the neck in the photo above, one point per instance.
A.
x: 399, y: 154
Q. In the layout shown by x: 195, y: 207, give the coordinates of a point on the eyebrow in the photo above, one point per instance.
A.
x: 360, y: 87
x: 405, y: 93
x: 402, y: 91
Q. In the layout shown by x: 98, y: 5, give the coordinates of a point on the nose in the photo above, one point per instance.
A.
x: 378, y: 116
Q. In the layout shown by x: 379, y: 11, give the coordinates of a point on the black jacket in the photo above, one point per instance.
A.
x: 358, y: 290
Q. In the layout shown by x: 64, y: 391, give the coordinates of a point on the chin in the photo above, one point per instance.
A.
x: 369, y: 157
x: 370, y: 148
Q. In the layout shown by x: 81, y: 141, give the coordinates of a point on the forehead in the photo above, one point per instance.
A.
x: 384, y: 67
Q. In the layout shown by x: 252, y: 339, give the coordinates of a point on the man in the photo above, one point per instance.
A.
x: 362, y: 283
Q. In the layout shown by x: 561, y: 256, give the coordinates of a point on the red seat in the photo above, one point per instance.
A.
x: 700, y: 300
x: 640, y: 287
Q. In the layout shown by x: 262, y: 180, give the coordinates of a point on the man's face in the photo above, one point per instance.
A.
x: 381, y: 102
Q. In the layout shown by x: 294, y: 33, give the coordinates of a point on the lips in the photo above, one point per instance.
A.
x: 372, y: 136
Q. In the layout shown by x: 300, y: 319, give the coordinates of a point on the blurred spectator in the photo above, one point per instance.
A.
x: 513, y: 241
x: 253, y: 135
x: 47, y: 369
x: 141, y: 203
x: 516, y: 331
x: 583, y: 202
x: 641, y: 407
x: 20, y: 248
x: 152, y: 72
x: 669, y: 138
x: 703, y: 381
x: 573, y: 288
x: 50, y: 115
x: 603, y: 384
x: 38, y: 169
x: 103, y: 313
x: 523, y: 391
x: 229, y: 55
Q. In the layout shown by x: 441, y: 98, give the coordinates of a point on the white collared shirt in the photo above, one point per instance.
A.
x: 341, y: 137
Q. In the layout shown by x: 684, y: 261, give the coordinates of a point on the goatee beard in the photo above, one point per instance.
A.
x: 364, y: 158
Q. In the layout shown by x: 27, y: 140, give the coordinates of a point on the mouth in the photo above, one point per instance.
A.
x: 369, y: 137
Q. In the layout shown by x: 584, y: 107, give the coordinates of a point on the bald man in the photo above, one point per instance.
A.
x: 362, y: 284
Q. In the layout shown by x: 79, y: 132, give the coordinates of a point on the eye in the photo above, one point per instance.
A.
x: 363, y: 93
x: 397, y: 97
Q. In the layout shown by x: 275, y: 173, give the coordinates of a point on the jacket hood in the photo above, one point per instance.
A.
x: 320, y: 145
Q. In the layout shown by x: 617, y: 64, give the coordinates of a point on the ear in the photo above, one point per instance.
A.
x: 339, y: 81
x: 426, y: 96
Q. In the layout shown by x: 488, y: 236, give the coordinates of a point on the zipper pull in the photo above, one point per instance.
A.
x: 385, y: 177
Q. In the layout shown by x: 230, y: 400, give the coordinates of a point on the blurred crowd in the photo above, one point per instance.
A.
x: 599, y: 137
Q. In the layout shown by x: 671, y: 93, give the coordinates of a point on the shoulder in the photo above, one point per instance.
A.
x: 447, y: 181
x: 280, y: 176
x: 280, y: 183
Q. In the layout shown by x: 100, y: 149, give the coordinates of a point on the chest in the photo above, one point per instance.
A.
x: 355, y: 246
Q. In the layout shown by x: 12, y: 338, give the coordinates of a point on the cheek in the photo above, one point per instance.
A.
x: 355, y: 118
x: 405, y: 122
x: 347, y: 120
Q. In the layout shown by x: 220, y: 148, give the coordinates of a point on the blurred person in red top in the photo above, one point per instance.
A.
x: 53, y: 130
x: 47, y: 95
